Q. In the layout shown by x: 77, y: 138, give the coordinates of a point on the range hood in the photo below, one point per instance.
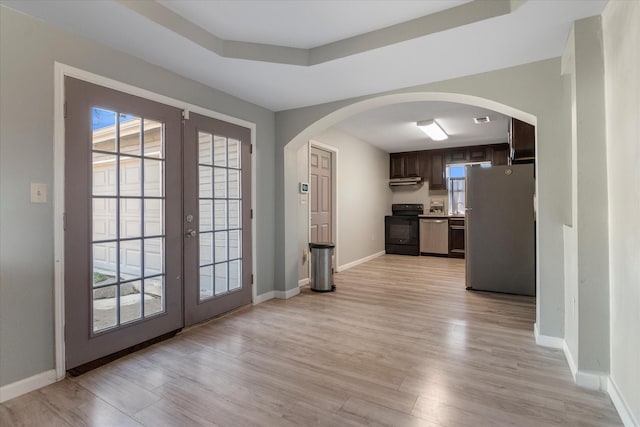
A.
x: 403, y: 182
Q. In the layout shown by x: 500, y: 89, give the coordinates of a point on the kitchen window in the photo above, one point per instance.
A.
x: 456, y: 186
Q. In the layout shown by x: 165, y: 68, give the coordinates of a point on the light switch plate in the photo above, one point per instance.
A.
x: 38, y: 192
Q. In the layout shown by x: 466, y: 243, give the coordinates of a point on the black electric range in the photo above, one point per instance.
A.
x: 402, y: 229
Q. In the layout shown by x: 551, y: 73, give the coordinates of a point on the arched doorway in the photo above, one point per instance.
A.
x: 292, y: 230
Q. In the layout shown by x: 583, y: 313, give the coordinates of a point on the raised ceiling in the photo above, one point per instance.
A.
x: 342, y: 49
x: 300, y: 24
x: 393, y: 128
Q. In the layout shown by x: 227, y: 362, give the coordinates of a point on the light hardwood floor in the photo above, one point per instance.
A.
x: 401, y: 343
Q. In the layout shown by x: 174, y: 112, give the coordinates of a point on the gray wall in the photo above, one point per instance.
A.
x: 622, y: 83
x: 28, y: 49
x: 570, y: 236
x: 419, y: 195
x: 586, y: 243
x: 591, y: 208
x: 362, y: 187
x: 303, y: 214
x: 532, y: 88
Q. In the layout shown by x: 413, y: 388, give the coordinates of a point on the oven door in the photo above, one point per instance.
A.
x: 401, y: 230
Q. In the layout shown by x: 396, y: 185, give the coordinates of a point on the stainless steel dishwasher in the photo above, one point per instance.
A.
x: 434, y: 236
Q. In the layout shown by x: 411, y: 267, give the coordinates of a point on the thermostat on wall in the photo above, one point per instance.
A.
x: 304, y: 187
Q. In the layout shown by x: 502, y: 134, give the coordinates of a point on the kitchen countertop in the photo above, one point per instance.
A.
x: 441, y: 216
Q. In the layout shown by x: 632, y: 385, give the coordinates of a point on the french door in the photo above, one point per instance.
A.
x: 217, y: 189
x: 126, y: 184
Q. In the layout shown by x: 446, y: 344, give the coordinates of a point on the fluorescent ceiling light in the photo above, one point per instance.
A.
x: 433, y: 130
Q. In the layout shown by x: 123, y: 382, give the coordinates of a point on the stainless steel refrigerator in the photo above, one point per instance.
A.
x: 500, y: 229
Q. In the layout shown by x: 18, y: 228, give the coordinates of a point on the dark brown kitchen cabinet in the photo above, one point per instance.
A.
x: 424, y: 162
x: 412, y: 165
x: 437, y: 168
x: 522, y: 141
x: 396, y: 165
x: 431, y: 164
x: 457, y: 155
x: 478, y: 154
x: 456, y: 237
x: 500, y: 155
x: 404, y: 165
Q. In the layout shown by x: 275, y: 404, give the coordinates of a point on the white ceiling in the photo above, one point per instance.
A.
x: 358, y: 57
x: 301, y: 24
x: 393, y: 128
x: 536, y: 30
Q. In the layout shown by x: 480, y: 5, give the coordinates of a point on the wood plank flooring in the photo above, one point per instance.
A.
x: 401, y: 343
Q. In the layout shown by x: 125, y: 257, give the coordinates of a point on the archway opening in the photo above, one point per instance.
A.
x: 294, y: 233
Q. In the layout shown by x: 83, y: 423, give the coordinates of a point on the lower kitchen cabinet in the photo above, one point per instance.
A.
x: 456, y: 237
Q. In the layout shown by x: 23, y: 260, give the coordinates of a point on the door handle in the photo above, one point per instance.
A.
x: 191, y: 233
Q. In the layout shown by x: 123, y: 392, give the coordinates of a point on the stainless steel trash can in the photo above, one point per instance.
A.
x: 321, y: 269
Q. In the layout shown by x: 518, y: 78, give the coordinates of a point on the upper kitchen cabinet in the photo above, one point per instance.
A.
x: 431, y: 165
x: 404, y: 165
x: 478, y: 153
x: 437, y: 169
x: 457, y: 155
x: 500, y: 154
x: 522, y: 141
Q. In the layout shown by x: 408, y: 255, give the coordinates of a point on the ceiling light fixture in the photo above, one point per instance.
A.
x: 481, y: 120
x: 433, y: 130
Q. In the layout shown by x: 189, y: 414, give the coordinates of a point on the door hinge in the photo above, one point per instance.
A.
x: 250, y: 148
x: 64, y: 109
x: 64, y: 221
x: 252, y: 279
x: 251, y: 213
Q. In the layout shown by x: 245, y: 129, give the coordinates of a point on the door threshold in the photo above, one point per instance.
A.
x: 89, y: 366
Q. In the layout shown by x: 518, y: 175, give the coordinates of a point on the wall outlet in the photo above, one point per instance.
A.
x: 38, y: 192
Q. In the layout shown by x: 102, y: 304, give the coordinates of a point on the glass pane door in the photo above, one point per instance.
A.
x: 217, y: 254
x: 123, y: 233
x: 220, y: 205
x: 127, y: 218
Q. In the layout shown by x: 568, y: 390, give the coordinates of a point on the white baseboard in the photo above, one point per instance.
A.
x: 358, y: 261
x: 303, y: 282
x: 621, y: 405
x: 26, y: 385
x: 572, y: 365
x: 586, y: 379
x: 592, y: 380
x: 277, y: 294
x: 286, y: 294
x: 263, y: 297
x: 545, y: 340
